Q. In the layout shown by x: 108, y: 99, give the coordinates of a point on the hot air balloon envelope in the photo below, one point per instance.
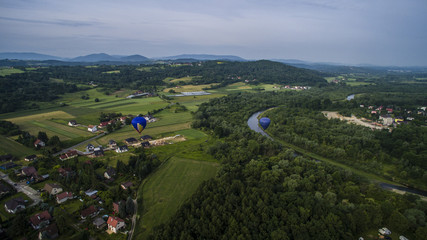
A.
x: 139, y: 124
x: 264, y: 122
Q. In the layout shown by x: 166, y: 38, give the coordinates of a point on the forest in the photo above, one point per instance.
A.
x: 265, y: 191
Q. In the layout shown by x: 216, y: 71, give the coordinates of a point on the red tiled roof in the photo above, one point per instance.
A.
x: 113, y: 221
x: 40, y: 217
x: 64, y: 195
x: 88, y: 211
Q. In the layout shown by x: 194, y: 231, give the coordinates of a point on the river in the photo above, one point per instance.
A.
x: 253, y: 124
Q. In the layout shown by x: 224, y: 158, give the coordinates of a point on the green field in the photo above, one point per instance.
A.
x: 9, y: 146
x: 8, y: 71
x: 167, y: 189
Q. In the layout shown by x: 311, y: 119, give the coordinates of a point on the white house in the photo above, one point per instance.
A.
x: 122, y: 149
x: 115, y: 223
x: 92, y: 128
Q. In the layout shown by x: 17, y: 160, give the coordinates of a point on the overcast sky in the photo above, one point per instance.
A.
x: 383, y: 32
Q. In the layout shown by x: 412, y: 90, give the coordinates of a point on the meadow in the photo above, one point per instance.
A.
x: 8, y: 71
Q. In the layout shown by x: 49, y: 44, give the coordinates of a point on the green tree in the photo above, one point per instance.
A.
x: 130, y: 206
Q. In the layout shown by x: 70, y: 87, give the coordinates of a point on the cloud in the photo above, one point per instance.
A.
x: 60, y: 22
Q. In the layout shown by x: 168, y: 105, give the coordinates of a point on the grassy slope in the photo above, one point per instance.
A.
x: 166, y: 190
x: 8, y: 146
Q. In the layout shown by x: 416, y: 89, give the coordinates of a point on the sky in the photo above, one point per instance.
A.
x: 379, y: 32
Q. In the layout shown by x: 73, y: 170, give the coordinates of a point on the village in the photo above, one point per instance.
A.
x: 51, y: 190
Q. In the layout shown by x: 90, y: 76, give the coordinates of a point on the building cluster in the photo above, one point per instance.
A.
x: 389, y: 116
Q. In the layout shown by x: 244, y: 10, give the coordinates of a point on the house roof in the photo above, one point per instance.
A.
x: 50, y: 186
x: 4, y: 188
x: 7, y: 157
x: 38, y: 141
x: 88, y: 211
x: 127, y: 184
x: 91, y: 192
x: 112, y: 142
x: 111, y: 172
x: 14, y: 203
x: 113, y: 221
x: 40, y: 217
x: 123, y: 148
x: 146, y: 137
x: 131, y: 140
x: 31, y: 156
x: 63, y: 195
x: 116, y: 205
x: 29, y: 171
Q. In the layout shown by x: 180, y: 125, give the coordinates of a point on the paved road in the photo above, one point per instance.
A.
x: 22, y: 187
x: 79, y: 144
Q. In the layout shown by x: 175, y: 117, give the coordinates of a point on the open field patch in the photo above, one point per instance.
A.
x: 189, y: 88
x: 183, y: 79
x: 41, y: 116
x: 9, y: 146
x: 167, y: 189
x: 8, y: 71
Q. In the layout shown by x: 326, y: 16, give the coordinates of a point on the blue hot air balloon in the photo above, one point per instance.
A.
x: 264, y: 122
x: 139, y: 124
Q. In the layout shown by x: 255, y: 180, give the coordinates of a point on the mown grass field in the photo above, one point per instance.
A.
x: 8, y: 71
x: 189, y: 88
x: 167, y: 189
x: 9, y: 146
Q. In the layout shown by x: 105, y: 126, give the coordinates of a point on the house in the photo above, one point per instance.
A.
x: 68, y: 155
x: 49, y: 232
x: 110, y: 173
x: 97, y: 153
x: 90, y: 147
x: 115, y: 224
x: 30, y: 158
x: 103, y: 124
x: 65, y: 172
x: 384, y: 231
x: 39, y: 143
x: 122, y: 149
x: 389, y: 110
x: 52, y: 188
x: 88, y: 212
x: 92, y: 128
x: 63, y: 197
x: 91, y: 193
x: 4, y: 189
x: 72, y: 123
x: 116, y: 206
x: 131, y: 141
x: 14, y: 205
x: 146, y: 138
x: 29, y: 171
x: 40, y: 220
x: 99, y: 223
x: 8, y: 165
x: 126, y: 185
x: 386, y: 119
x: 123, y: 119
x: 112, y: 144
x: 373, y: 112
x: 145, y: 144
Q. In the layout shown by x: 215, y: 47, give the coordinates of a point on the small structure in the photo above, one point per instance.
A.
x: 122, y: 149
x: 39, y: 143
x: 126, y: 185
x: 90, y: 148
x: 40, y: 220
x: 31, y: 158
x: 88, y: 212
x: 65, y: 172
x: 97, y: 152
x: 14, y: 205
x: 384, y: 231
x: 29, y: 171
x: 112, y: 144
x: 91, y: 193
x: 110, y: 173
x: 49, y: 232
x: 92, y: 128
x: 146, y: 138
x: 131, y: 141
x: 103, y: 124
x: 99, y: 223
x: 145, y: 144
x: 68, y: 155
x: 115, y: 223
x: 63, y: 197
x: 72, y: 123
x: 52, y: 188
x: 116, y: 206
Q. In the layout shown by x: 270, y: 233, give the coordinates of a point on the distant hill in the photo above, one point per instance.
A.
x: 134, y: 58
x: 204, y: 57
x: 27, y: 56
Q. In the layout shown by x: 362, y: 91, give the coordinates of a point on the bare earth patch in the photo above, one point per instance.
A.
x: 363, y: 122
